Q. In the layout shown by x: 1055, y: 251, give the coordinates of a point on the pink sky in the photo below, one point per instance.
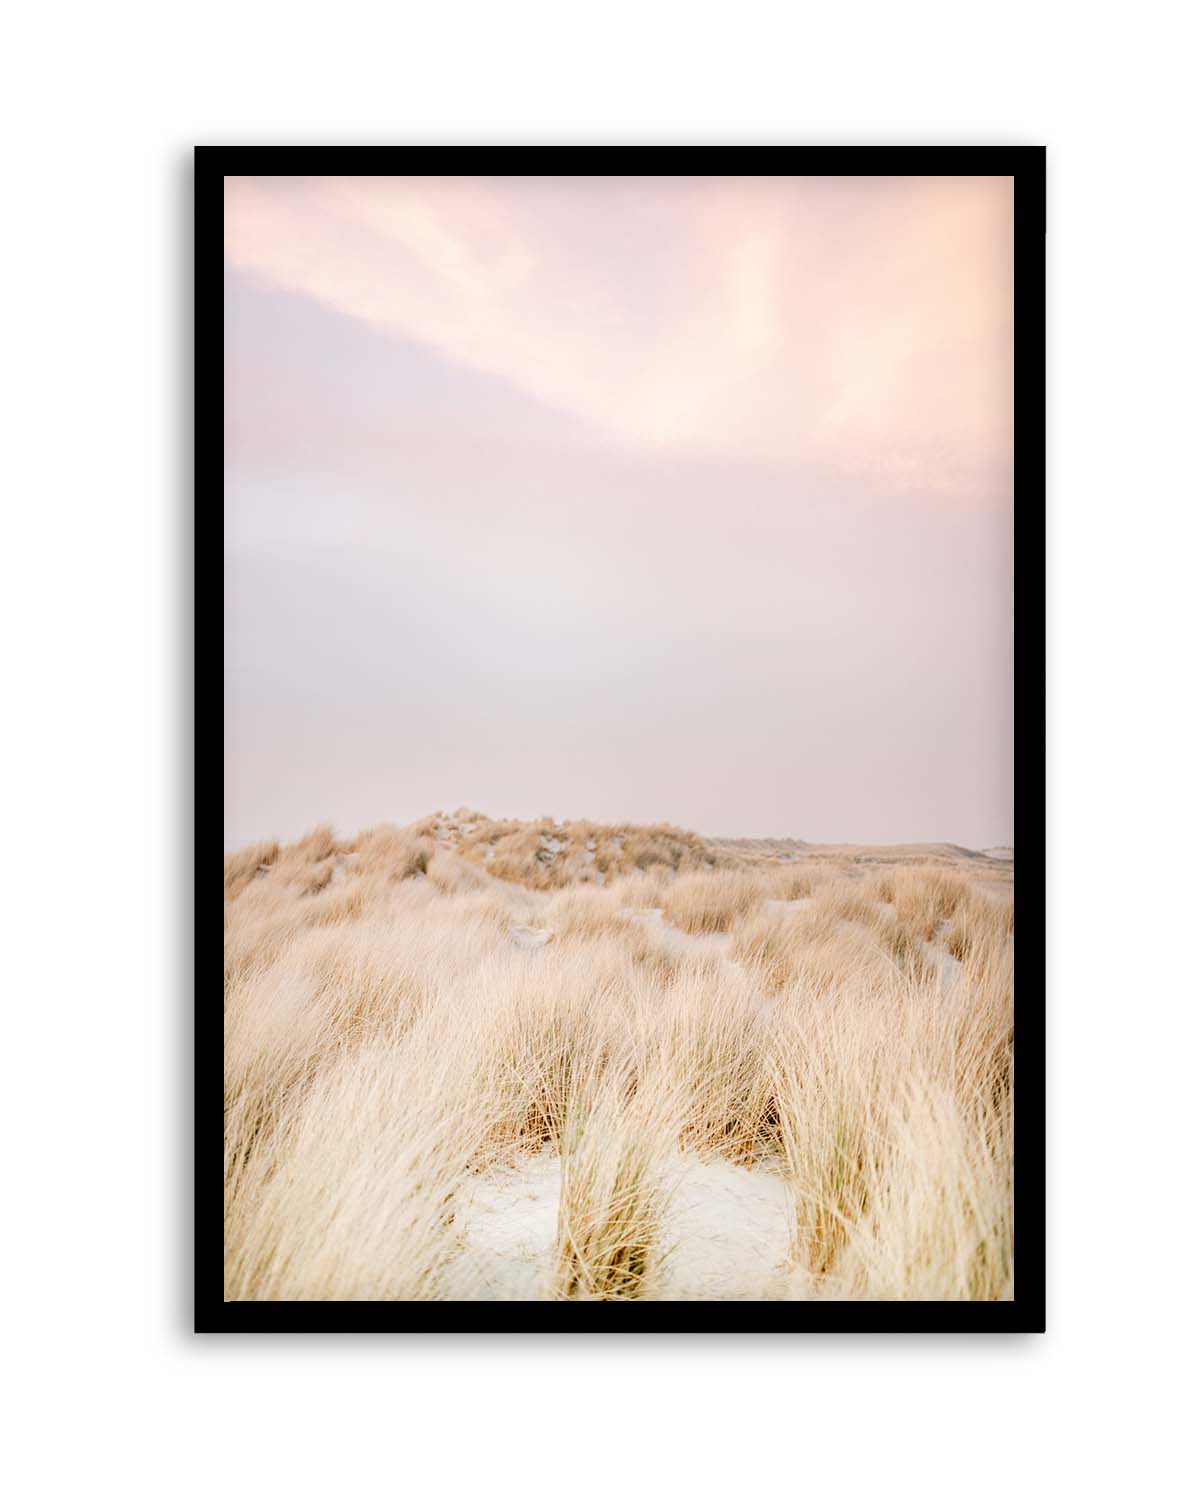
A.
x: 683, y: 499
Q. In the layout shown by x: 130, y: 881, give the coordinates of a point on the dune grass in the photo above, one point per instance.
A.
x: 387, y: 1041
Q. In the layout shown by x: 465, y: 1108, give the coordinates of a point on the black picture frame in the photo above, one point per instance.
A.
x: 1026, y: 165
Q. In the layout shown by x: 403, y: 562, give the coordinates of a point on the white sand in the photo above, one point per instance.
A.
x: 949, y: 967
x: 507, y: 1222
x: 528, y: 938
x: 672, y: 936
x: 725, y: 1229
x: 729, y: 1230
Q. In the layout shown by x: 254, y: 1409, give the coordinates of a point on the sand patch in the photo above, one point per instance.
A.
x: 672, y: 936
x: 725, y: 1230
x: 529, y: 938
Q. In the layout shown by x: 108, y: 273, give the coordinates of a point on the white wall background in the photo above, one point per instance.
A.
x: 99, y: 107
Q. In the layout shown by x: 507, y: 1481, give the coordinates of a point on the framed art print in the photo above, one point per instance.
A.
x: 633, y: 704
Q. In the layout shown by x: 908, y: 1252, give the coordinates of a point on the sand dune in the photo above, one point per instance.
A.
x: 465, y: 1058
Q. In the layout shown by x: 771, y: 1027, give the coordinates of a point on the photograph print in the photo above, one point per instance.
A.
x: 633, y: 687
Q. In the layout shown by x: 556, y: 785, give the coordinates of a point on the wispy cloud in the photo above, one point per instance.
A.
x: 863, y: 324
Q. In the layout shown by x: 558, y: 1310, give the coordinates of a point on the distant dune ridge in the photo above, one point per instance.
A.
x: 472, y: 1058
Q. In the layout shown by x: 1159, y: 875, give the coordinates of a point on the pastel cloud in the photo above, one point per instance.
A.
x: 864, y: 324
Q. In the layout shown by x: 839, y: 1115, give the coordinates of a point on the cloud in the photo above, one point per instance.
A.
x: 866, y: 325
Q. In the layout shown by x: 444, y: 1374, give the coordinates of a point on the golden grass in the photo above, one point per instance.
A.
x: 611, y: 1202
x: 242, y: 867
x: 386, y: 1041
x: 548, y: 854
x: 392, y: 853
x: 709, y: 903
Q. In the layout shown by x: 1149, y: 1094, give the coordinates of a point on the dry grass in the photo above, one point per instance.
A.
x: 392, y: 853
x: 242, y: 867
x: 387, y: 1042
x: 549, y: 854
x: 611, y: 1206
x: 709, y: 903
